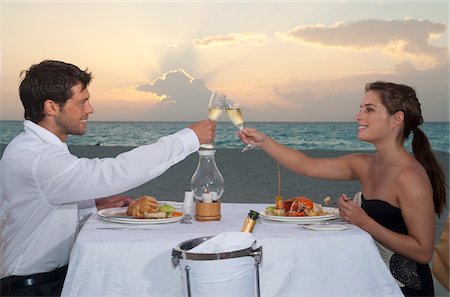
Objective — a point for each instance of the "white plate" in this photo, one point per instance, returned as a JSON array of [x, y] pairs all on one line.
[[328, 227], [333, 213], [105, 215]]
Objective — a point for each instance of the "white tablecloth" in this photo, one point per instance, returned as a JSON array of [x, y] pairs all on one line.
[[296, 261]]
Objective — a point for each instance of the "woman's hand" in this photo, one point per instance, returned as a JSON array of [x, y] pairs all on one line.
[[113, 201], [351, 212], [251, 136]]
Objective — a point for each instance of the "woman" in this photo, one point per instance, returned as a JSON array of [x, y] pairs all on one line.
[[400, 192]]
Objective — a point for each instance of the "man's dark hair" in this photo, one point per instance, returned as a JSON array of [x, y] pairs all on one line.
[[49, 80]]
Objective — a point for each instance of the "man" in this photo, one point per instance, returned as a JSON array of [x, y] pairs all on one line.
[[45, 190]]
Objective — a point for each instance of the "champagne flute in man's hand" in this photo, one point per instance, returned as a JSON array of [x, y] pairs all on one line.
[[215, 108], [237, 118]]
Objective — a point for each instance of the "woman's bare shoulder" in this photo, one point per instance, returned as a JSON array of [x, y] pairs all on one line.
[[412, 171], [360, 157], [414, 181]]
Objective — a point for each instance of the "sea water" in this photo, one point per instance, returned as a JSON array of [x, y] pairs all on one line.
[[333, 136]]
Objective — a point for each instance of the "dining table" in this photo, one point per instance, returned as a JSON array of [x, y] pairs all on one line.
[[121, 258]]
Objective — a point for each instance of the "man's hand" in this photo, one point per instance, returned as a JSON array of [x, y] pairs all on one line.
[[113, 201], [205, 131]]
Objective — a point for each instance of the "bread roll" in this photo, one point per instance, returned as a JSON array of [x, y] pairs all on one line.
[[144, 207]]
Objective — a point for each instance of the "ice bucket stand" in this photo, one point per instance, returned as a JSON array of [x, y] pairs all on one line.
[[181, 251]]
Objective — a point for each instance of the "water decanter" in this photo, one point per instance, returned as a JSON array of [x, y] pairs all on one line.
[[207, 186]]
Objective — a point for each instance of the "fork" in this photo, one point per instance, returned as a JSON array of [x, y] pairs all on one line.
[[125, 228], [186, 220]]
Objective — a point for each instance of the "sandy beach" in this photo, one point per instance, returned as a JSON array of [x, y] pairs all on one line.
[[250, 177]]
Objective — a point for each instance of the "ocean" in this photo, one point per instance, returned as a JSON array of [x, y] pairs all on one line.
[[334, 136]]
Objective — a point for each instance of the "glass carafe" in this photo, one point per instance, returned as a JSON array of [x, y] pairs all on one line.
[[207, 182]]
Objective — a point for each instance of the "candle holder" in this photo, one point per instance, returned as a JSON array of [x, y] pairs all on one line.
[[207, 187], [205, 212]]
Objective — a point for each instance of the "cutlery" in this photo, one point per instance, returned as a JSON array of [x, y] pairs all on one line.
[[328, 203], [125, 228], [335, 223], [186, 220], [328, 223]]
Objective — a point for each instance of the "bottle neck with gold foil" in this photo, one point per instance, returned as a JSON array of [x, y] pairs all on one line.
[[250, 221]]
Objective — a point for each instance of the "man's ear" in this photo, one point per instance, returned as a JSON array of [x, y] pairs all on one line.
[[398, 118], [51, 107]]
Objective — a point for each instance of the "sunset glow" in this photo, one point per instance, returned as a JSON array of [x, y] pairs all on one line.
[[290, 61]]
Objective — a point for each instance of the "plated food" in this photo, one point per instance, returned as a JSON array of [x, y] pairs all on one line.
[[300, 206], [144, 210], [148, 207], [299, 210]]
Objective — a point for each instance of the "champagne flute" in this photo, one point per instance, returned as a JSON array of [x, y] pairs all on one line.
[[215, 108], [234, 112]]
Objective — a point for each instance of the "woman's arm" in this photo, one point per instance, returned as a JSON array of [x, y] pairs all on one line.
[[343, 168]]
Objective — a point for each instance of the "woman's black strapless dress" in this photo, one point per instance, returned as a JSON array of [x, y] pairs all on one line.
[[415, 277]]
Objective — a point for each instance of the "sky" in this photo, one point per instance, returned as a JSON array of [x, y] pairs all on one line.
[[281, 60]]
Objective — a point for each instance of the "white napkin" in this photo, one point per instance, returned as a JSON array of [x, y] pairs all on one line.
[[225, 242]]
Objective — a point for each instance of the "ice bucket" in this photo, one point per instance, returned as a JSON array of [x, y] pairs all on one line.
[[230, 274]]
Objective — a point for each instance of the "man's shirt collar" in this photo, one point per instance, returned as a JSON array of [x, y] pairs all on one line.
[[43, 133]]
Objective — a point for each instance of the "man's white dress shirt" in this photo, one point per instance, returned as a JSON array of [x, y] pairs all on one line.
[[43, 188]]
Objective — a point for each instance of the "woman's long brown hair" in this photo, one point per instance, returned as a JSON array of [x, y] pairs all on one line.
[[403, 98]]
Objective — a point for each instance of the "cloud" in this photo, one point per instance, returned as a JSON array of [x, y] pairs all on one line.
[[398, 39], [182, 97], [255, 39], [339, 99]]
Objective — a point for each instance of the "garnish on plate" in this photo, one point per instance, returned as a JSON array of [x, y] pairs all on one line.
[[279, 206]]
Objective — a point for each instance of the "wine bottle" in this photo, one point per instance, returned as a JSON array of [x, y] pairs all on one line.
[[250, 221]]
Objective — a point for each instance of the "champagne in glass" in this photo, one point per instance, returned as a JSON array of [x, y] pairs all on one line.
[[215, 108], [235, 115], [234, 112], [214, 113]]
